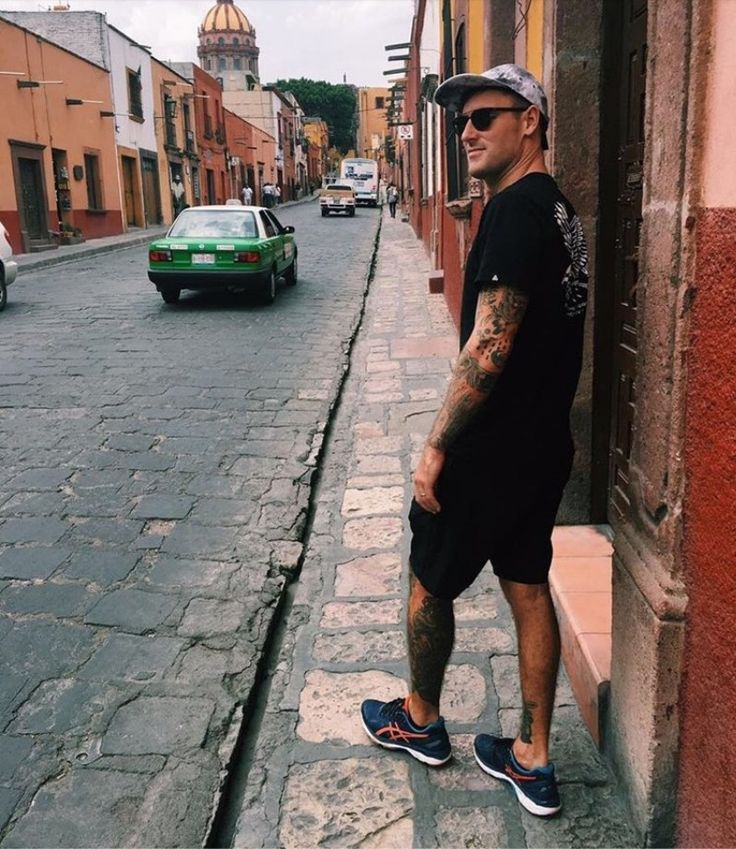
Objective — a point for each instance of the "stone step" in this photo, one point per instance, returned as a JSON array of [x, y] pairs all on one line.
[[580, 581]]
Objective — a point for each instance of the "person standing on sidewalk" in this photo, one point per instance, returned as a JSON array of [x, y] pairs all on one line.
[[490, 479], [392, 196]]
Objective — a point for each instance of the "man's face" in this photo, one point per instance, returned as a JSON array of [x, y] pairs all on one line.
[[490, 152]]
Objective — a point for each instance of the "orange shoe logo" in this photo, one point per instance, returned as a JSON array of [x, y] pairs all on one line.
[[395, 732], [510, 772]]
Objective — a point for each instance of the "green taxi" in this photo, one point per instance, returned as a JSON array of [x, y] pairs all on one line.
[[223, 248]]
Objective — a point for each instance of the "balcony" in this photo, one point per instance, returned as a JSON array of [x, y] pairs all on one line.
[[220, 134]]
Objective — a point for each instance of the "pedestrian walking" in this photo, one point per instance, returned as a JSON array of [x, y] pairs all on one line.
[[268, 196], [247, 195], [392, 196], [490, 478]]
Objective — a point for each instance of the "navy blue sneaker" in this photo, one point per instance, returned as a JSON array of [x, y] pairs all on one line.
[[389, 725], [536, 789]]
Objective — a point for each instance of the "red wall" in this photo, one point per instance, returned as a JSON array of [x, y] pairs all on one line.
[[95, 225], [708, 732]]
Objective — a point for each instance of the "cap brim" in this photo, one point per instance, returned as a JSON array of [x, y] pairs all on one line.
[[456, 90]]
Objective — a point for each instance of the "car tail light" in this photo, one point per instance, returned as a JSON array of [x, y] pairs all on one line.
[[159, 256], [247, 256]]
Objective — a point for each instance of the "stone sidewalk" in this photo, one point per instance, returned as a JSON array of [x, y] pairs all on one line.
[[311, 776]]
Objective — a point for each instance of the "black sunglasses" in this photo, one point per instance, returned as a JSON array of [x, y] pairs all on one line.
[[482, 118]]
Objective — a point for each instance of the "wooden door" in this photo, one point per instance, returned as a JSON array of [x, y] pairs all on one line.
[[129, 190], [33, 198], [151, 195], [629, 179]]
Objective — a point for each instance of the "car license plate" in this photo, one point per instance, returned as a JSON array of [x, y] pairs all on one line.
[[203, 259]]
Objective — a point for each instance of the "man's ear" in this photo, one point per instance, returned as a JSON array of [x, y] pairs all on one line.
[[532, 120]]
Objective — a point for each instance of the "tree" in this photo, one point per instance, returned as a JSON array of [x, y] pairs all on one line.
[[336, 104]]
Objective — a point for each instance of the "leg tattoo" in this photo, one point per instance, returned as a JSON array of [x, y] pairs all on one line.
[[527, 720], [431, 635]]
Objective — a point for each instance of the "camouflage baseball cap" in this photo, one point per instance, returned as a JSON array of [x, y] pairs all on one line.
[[456, 90]]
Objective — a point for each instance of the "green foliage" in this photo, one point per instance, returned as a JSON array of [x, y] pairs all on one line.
[[336, 104]]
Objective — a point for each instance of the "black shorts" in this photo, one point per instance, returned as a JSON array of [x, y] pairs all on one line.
[[505, 516]]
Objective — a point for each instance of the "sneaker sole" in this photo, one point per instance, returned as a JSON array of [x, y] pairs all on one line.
[[524, 801], [420, 756]]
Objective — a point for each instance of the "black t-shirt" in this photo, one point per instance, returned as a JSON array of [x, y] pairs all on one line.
[[530, 238]]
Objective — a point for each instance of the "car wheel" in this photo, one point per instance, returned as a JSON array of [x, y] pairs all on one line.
[[170, 296], [324, 213], [291, 274], [352, 213], [268, 293], [3, 294]]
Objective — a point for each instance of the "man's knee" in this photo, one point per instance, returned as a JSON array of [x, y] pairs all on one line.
[[525, 595]]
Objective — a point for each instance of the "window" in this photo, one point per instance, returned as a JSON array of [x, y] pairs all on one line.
[[135, 100], [267, 225], [235, 41], [221, 41], [94, 186], [379, 102], [221, 63], [237, 63]]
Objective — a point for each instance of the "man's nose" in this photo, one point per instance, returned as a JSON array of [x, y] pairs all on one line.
[[468, 132]]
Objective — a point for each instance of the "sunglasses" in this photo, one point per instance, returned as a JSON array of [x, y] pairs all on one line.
[[482, 119]]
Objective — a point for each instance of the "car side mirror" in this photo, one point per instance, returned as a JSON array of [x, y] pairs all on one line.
[[288, 229]]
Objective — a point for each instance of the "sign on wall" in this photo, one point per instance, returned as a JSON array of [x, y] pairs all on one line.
[[406, 132]]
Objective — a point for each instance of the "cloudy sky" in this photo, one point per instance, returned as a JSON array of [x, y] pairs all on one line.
[[319, 39]]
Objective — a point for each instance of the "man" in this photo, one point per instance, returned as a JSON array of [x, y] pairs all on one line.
[[267, 193], [392, 196], [490, 479], [178, 194], [247, 195]]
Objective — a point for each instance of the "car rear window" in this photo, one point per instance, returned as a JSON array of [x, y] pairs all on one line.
[[341, 188], [204, 223]]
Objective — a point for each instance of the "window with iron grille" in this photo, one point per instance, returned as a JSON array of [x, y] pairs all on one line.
[[135, 89], [169, 116], [94, 184]]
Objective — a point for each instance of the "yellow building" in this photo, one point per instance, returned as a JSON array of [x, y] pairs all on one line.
[[372, 122]]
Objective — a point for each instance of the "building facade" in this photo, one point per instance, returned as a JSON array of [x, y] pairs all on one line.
[[58, 174], [211, 182], [373, 123], [637, 141], [175, 139]]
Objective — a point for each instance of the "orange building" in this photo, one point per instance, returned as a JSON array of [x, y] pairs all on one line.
[[175, 139], [251, 155], [210, 178], [373, 123], [60, 171]]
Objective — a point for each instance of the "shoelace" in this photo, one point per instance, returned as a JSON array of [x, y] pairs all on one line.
[[393, 709]]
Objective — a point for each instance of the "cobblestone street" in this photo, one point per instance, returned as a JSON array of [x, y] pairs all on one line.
[[154, 490]]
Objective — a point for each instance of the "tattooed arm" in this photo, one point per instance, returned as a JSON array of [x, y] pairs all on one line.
[[498, 317]]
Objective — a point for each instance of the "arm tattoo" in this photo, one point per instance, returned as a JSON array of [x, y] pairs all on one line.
[[497, 319]]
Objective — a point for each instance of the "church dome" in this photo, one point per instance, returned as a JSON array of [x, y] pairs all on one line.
[[225, 17]]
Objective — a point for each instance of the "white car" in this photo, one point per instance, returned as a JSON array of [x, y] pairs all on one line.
[[8, 266]]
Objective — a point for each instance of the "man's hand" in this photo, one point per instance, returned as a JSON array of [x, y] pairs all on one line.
[[426, 476]]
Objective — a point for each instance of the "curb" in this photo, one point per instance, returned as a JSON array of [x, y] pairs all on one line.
[[150, 235]]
